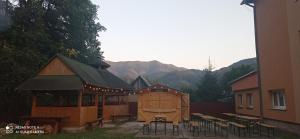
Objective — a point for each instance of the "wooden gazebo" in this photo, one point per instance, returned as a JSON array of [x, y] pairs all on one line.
[[75, 93], [162, 100]]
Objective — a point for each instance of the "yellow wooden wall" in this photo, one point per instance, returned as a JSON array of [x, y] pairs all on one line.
[[56, 67], [109, 110], [185, 106], [78, 115], [159, 103], [72, 112]]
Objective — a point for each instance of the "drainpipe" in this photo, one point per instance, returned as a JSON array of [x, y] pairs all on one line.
[[258, 63], [257, 57]]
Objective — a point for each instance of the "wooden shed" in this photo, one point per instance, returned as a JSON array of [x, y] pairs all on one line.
[[75, 93], [162, 100]]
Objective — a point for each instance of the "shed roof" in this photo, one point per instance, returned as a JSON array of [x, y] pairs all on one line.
[[160, 86]]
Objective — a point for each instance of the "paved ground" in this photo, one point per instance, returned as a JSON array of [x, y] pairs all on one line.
[[136, 127]]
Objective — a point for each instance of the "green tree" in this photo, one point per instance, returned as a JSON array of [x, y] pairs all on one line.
[[56, 26], [231, 75], [208, 88], [38, 30]]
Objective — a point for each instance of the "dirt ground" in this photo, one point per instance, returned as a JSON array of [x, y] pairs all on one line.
[[124, 127]]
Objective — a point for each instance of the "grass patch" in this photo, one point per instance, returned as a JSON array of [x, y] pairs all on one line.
[[97, 133]]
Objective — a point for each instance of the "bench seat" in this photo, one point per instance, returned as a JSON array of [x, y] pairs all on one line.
[[266, 125], [237, 125]]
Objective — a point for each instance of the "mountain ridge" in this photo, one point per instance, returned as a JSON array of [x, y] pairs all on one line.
[[171, 75]]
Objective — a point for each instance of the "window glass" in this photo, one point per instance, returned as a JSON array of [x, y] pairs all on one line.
[[275, 98], [111, 100], [281, 99], [57, 99], [115, 100], [278, 99], [250, 100], [240, 97], [88, 100], [123, 99]]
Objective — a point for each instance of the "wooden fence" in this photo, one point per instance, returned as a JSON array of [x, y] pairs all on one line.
[[212, 108]]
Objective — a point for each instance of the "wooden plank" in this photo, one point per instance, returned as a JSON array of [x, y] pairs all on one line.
[[56, 67], [156, 103], [237, 125], [185, 106]]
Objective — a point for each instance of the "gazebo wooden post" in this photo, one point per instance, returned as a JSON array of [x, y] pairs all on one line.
[[33, 102], [103, 104], [79, 98], [96, 100]]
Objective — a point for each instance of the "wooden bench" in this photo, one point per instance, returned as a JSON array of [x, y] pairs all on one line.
[[121, 116], [221, 120], [99, 122], [185, 122], [146, 125], [221, 127], [268, 127], [239, 127], [176, 126], [194, 125]]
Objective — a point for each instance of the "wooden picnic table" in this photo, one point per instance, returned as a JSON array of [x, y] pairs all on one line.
[[221, 120], [208, 117], [160, 119], [248, 117], [230, 114], [209, 122], [197, 114]]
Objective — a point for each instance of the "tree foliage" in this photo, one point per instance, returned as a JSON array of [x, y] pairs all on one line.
[[211, 88], [41, 28], [208, 88], [231, 75]]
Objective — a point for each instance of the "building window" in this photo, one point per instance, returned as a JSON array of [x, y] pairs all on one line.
[[278, 99], [88, 100], [123, 99], [250, 100], [111, 100], [115, 100], [57, 99], [240, 100]]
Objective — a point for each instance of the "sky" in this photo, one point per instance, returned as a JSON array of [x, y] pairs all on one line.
[[184, 33]]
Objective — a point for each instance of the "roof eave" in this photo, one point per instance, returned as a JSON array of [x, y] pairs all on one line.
[[248, 3], [242, 77]]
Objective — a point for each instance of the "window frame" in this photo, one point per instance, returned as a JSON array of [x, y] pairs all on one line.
[[88, 99], [120, 100], [240, 100], [56, 99], [276, 93], [251, 100]]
